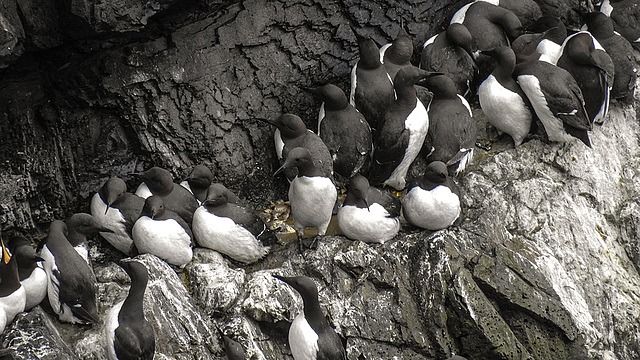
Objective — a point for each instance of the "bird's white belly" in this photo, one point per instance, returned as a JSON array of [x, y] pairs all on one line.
[[302, 339], [515, 119], [110, 325], [224, 235], [165, 239], [369, 225], [431, 210], [312, 200], [35, 287]]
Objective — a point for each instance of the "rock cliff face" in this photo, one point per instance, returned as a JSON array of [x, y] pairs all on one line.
[[545, 264]]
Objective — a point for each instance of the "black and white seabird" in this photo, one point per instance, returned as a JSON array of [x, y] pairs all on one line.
[[344, 131], [452, 52], [369, 214], [502, 100], [310, 336], [176, 198], [312, 195], [371, 87], [452, 129], [198, 182], [79, 226], [117, 210], [163, 233], [128, 334], [620, 51], [72, 287], [592, 68], [404, 127], [556, 99], [434, 202], [12, 294], [228, 228], [32, 276], [294, 133], [625, 15], [397, 54]]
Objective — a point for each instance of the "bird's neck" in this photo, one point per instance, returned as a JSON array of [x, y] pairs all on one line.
[[407, 95], [313, 314], [133, 303]]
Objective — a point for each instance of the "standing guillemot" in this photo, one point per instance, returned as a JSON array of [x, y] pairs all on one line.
[[128, 334], [401, 135], [344, 131], [310, 336], [311, 194]]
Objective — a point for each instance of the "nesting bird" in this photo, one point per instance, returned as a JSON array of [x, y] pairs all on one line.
[[592, 68], [72, 286], [620, 51], [556, 99], [369, 214], [292, 133], [434, 203], [452, 129], [32, 276], [371, 87], [79, 226], [344, 131], [502, 100], [397, 54], [452, 52], [12, 294], [310, 336], [176, 198], [128, 334], [117, 210], [312, 195], [402, 133], [625, 14], [228, 228], [163, 233]]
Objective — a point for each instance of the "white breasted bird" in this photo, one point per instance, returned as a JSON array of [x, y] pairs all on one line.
[[228, 228], [432, 204], [117, 210], [128, 334], [369, 214], [72, 286], [310, 336], [163, 233], [312, 195]]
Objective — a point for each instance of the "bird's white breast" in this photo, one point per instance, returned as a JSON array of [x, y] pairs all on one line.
[[224, 235], [165, 239], [312, 200], [302, 339], [433, 210], [369, 225], [35, 287], [514, 118], [143, 191], [110, 325], [418, 125], [114, 221]]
